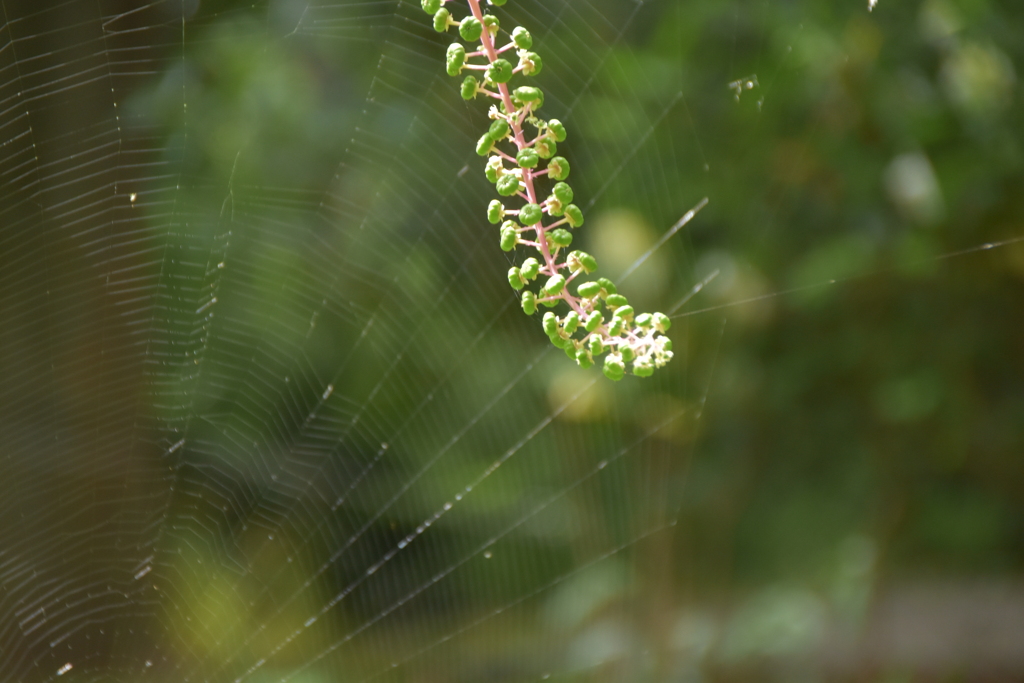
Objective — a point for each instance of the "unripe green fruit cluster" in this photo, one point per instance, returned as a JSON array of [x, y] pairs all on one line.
[[600, 321]]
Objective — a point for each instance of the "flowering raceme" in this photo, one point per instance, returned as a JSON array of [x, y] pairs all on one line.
[[600, 321]]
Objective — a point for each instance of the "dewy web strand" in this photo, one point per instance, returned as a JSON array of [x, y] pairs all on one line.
[[586, 332]]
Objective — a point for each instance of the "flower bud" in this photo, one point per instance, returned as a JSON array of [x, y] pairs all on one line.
[[545, 148], [529, 303], [430, 6], [470, 29], [495, 211], [557, 129], [562, 238], [441, 18], [531, 63], [530, 214], [508, 185], [456, 57], [558, 168], [562, 192], [530, 268], [574, 215], [515, 278], [468, 88], [554, 285], [521, 37], [528, 158], [499, 71], [589, 289]]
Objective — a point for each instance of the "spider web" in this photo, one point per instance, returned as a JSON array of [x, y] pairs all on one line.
[[270, 411]]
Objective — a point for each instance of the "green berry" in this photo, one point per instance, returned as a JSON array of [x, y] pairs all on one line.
[[643, 320], [499, 71], [557, 129], [470, 29], [550, 324], [594, 321], [588, 290], [497, 3], [529, 94], [561, 237], [627, 353], [554, 285], [509, 236], [456, 57], [614, 369], [624, 312], [430, 6], [584, 261], [529, 302], [607, 285], [499, 129], [642, 368], [531, 63], [583, 359], [572, 321], [528, 158], [661, 322], [596, 346], [468, 88], [616, 300], [558, 342], [508, 185], [492, 23], [558, 168], [441, 18], [574, 215], [484, 144], [515, 278], [530, 268], [562, 192], [615, 326], [495, 211], [530, 214], [494, 169], [522, 38], [570, 349], [545, 148]]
